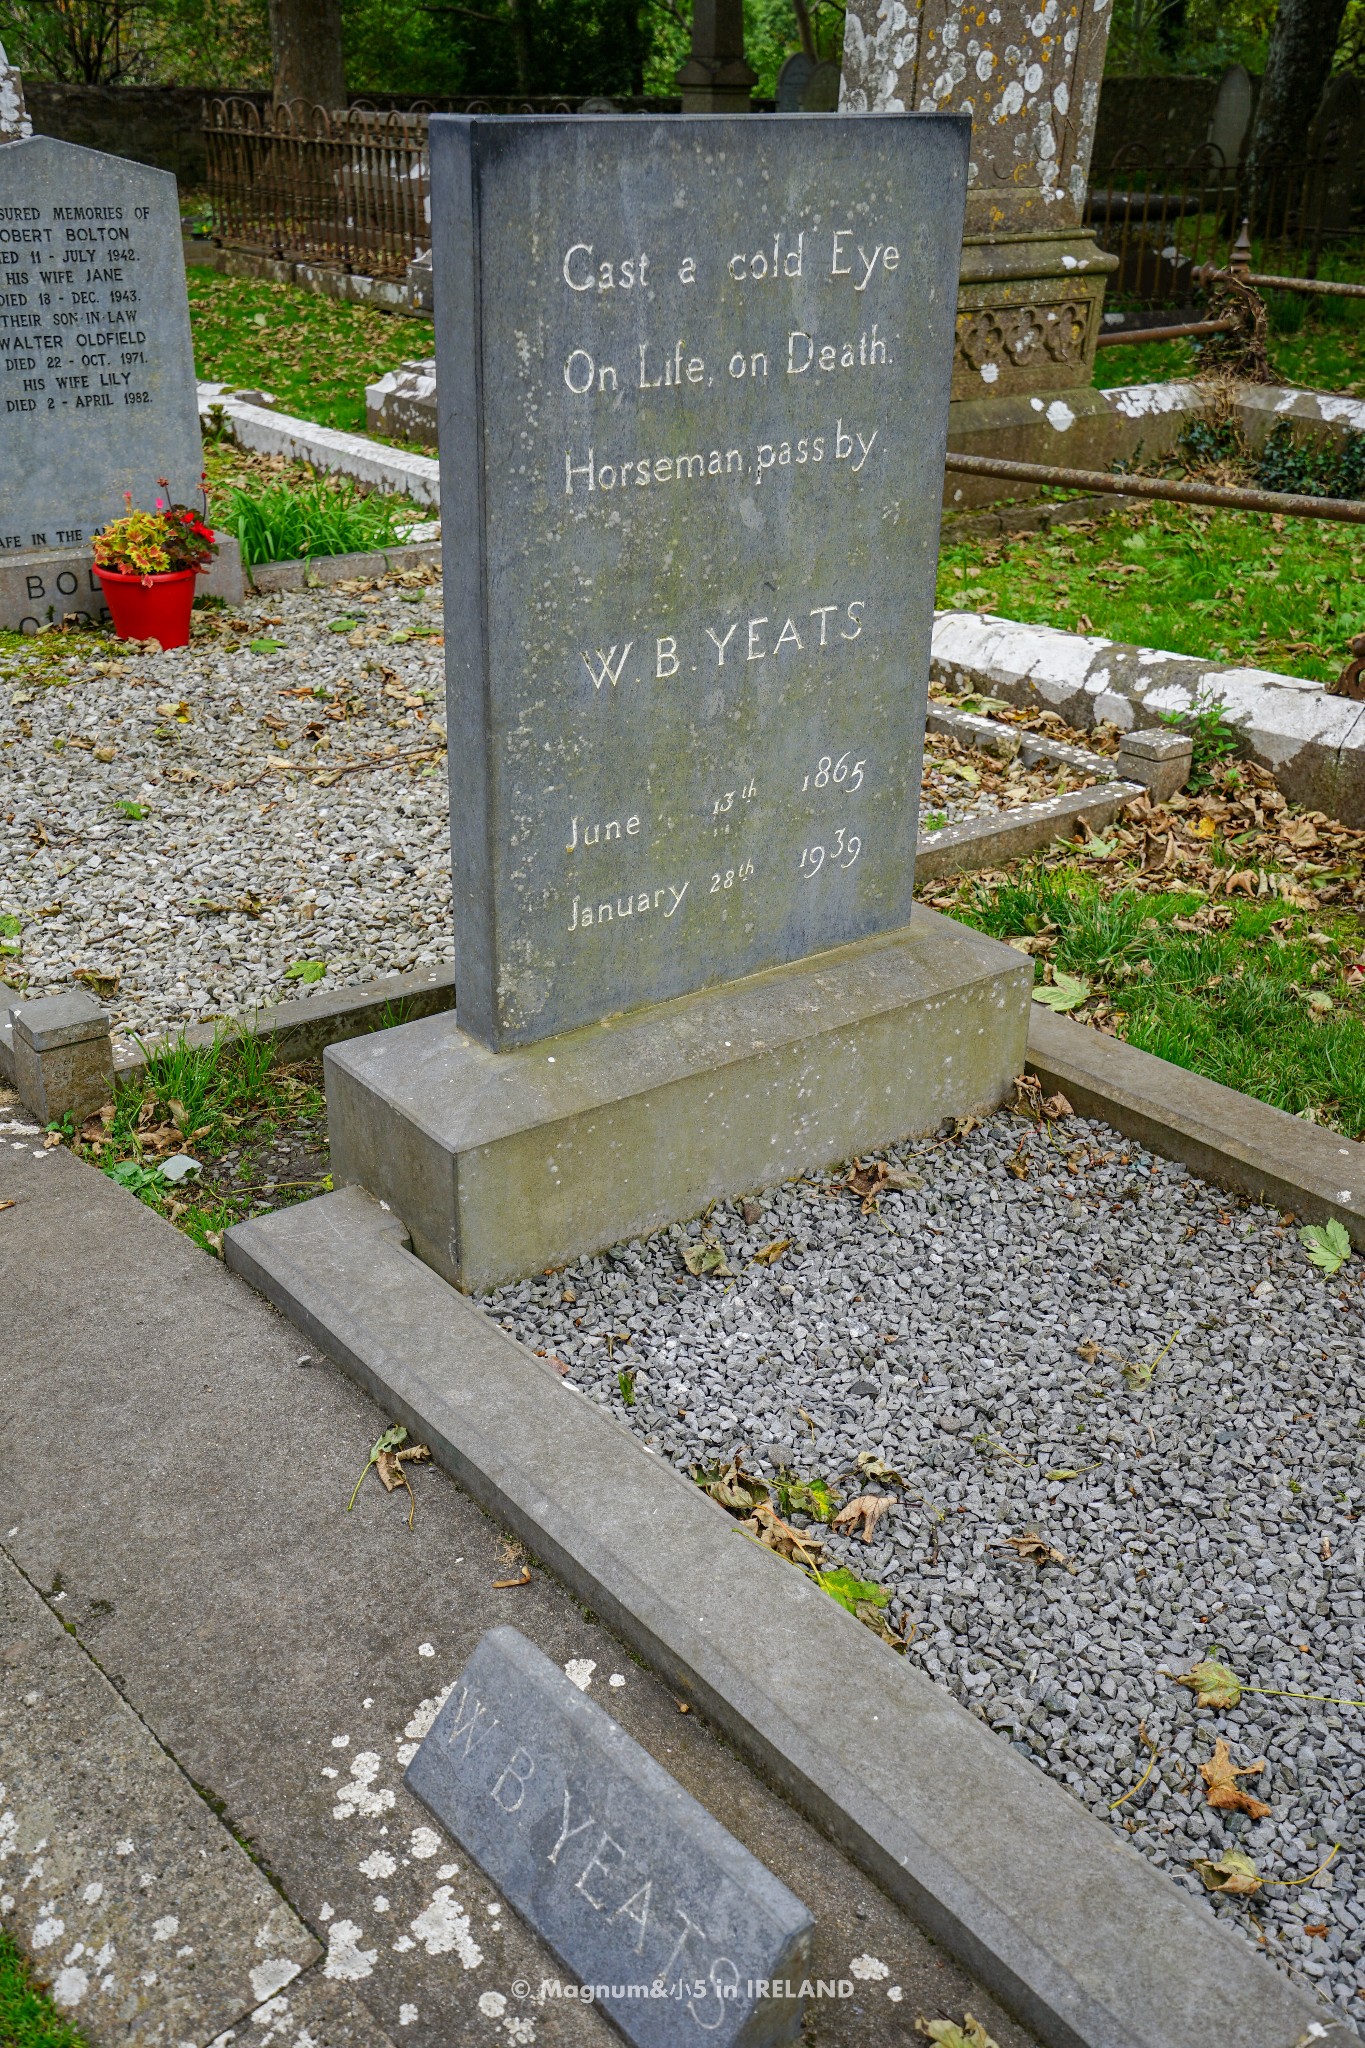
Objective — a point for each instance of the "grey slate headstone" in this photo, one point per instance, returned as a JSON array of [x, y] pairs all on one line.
[[791, 81], [97, 391], [1231, 114], [692, 463], [626, 1878]]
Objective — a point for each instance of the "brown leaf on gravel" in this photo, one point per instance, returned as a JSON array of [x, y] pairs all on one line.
[[868, 1509], [948, 2034], [768, 1254], [769, 1529], [731, 1487], [1088, 1349], [1033, 1550], [869, 1179], [1220, 1775]]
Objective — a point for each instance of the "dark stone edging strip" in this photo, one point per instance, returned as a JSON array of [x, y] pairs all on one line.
[[1087, 1942]]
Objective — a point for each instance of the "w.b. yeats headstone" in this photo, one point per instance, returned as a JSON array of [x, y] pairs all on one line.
[[684, 1937], [693, 388], [97, 388]]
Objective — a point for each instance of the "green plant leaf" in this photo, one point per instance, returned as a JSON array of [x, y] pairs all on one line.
[[1213, 1684], [811, 1497], [706, 1257], [1327, 1245], [850, 1591], [305, 970], [343, 625], [388, 1440], [265, 646], [1067, 991]]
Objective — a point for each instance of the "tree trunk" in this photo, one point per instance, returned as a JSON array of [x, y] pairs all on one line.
[[1298, 64], [306, 52]]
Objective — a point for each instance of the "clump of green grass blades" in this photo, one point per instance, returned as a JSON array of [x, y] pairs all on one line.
[[28, 2019], [1230, 1003], [282, 522]]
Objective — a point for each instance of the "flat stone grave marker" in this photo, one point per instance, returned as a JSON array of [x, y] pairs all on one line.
[[693, 389], [97, 386], [685, 1937]]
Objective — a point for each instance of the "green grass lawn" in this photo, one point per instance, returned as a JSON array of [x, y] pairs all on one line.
[[315, 354], [28, 2018], [1222, 584], [1255, 995]]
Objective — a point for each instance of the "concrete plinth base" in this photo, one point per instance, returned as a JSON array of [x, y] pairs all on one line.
[[501, 1164]]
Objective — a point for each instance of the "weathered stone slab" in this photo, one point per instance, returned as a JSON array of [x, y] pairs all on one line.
[[97, 393], [43, 588], [692, 447], [501, 1164], [685, 1936], [402, 403], [148, 1922]]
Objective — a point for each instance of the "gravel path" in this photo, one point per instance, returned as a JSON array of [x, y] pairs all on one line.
[[260, 846], [953, 1333]]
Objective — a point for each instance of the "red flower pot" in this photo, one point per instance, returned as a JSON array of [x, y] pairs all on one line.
[[150, 607]]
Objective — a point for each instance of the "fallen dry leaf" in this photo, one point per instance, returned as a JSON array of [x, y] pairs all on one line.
[[1233, 1873], [1220, 1775], [870, 1179], [769, 1529], [707, 1256], [1213, 1684], [948, 2034], [6, 1204], [390, 1471], [1316, 1927], [1033, 1550], [868, 1509], [506, 1585], [873, 1467], [1088, 1349], [768, 1254], [731, 1487]]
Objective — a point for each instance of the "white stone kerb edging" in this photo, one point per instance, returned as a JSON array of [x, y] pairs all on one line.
[[266, 432], [1313, 743]]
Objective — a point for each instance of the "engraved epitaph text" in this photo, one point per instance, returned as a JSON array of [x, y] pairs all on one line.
[[694, 382], [97, 392]]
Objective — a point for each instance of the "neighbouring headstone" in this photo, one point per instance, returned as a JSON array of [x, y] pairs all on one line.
[[15, 125], [791, 81], [97, 390], [820, 94], [1231, 115], [1336, 146], [694, 399], [401, 404], [683, 1935]]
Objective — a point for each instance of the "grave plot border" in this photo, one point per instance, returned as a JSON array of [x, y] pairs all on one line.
[[1087, 1942]]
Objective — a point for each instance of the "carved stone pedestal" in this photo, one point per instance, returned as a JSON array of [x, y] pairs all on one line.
[[1031, 293]]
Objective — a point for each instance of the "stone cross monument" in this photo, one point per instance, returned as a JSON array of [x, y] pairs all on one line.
[[1032, 284], [15, 125]]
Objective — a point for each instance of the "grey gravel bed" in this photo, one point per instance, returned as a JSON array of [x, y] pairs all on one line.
[[1216, 1506], [246, 862]]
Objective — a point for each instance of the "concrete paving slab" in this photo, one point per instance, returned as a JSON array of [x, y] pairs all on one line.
[[1085, 1940], [152, 1925], [183, 1484]]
